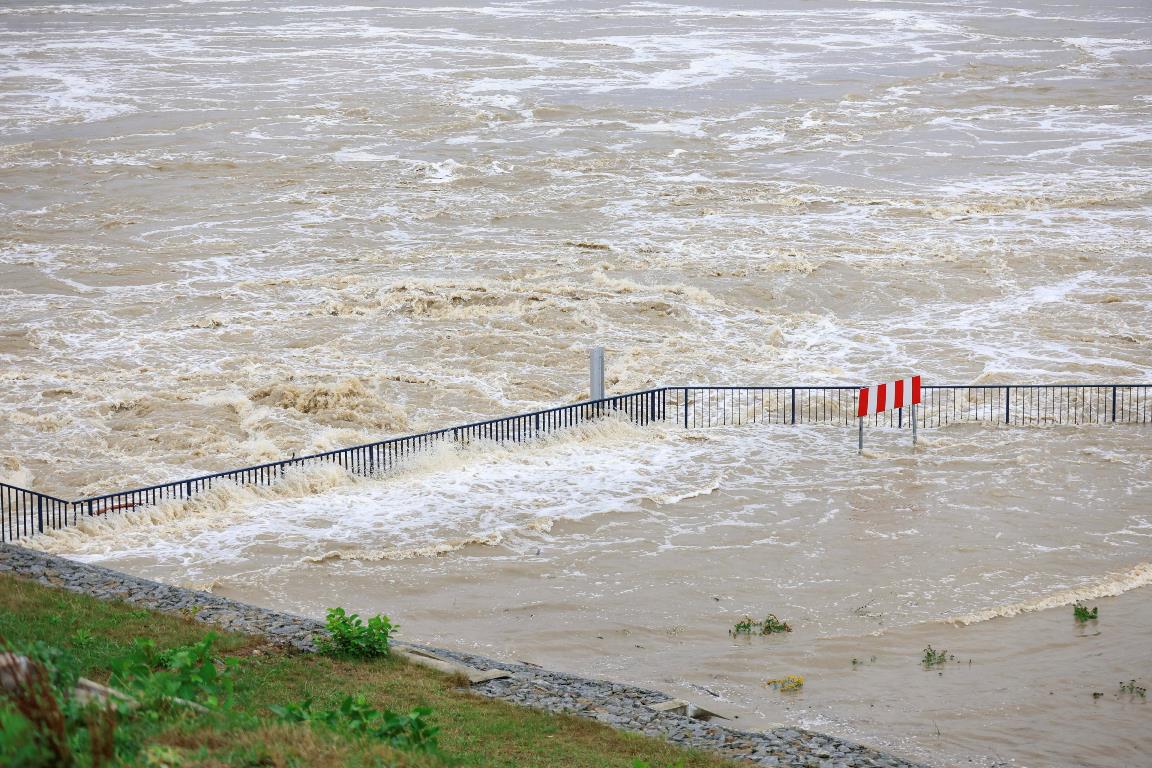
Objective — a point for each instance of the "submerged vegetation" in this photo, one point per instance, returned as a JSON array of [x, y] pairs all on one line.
[[1082, 613], [769, 625], [1131, 689], [786, 684], [935, 658]]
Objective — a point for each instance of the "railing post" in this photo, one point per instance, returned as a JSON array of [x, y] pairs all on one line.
[[1007, 403], [793, 405], [40, 513], [1113, 403], [685, 408]]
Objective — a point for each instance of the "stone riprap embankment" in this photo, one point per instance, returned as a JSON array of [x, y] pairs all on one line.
[[621, 706]]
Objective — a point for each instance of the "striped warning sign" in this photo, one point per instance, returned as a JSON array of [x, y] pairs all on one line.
[[893, 394]]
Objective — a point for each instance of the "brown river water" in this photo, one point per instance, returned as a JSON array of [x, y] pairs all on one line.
[[233, 231]]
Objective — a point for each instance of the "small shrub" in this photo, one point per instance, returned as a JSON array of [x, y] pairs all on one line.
[[1083, 614], [770, 625], [350, 637], [355, 716], [935, 658]]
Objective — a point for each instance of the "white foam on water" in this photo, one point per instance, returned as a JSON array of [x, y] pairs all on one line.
[[1139, 575], [435, 502]]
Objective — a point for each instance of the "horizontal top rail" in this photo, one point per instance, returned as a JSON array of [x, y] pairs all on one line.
[[17, 489], [857, 387]]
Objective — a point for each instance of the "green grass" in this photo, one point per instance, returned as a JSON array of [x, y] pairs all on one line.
[[473, 731]]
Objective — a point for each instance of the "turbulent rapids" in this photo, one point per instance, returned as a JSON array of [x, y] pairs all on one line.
[[238, 231]]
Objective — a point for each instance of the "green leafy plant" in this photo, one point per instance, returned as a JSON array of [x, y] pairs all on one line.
[[350, 637], [355, 716], [82, 638], [770, 625], [1082, 613], [189, 673], [935, 658]]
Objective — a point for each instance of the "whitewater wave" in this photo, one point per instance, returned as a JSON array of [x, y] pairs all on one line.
[[673, 498], [230, 504], [217, 508], [1111, 586], [541, 524], [438, 549]]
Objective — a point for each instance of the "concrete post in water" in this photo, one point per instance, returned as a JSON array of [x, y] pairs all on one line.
[[861, 435], [596, 372]]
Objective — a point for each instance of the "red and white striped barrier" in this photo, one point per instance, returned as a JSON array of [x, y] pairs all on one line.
[[885, 397]]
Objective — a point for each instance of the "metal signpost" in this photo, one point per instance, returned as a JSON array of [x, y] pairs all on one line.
[[596, 373]]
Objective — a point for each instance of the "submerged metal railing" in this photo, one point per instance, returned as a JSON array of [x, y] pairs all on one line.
[[24, 512]]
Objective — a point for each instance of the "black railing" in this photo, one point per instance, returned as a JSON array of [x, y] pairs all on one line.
[[1015, 404], [24, 512]]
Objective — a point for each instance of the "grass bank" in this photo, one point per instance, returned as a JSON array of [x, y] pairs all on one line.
[[96, 636]]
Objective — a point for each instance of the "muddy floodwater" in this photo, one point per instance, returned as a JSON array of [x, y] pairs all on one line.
[[234, 231]]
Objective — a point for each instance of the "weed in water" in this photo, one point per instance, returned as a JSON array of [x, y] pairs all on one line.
[[934, 658], [787, 683], [770, 625], [1133, 690], [1082, 613], [349, 637]]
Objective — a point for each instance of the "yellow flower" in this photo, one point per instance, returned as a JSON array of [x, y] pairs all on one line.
[[787, 683]]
